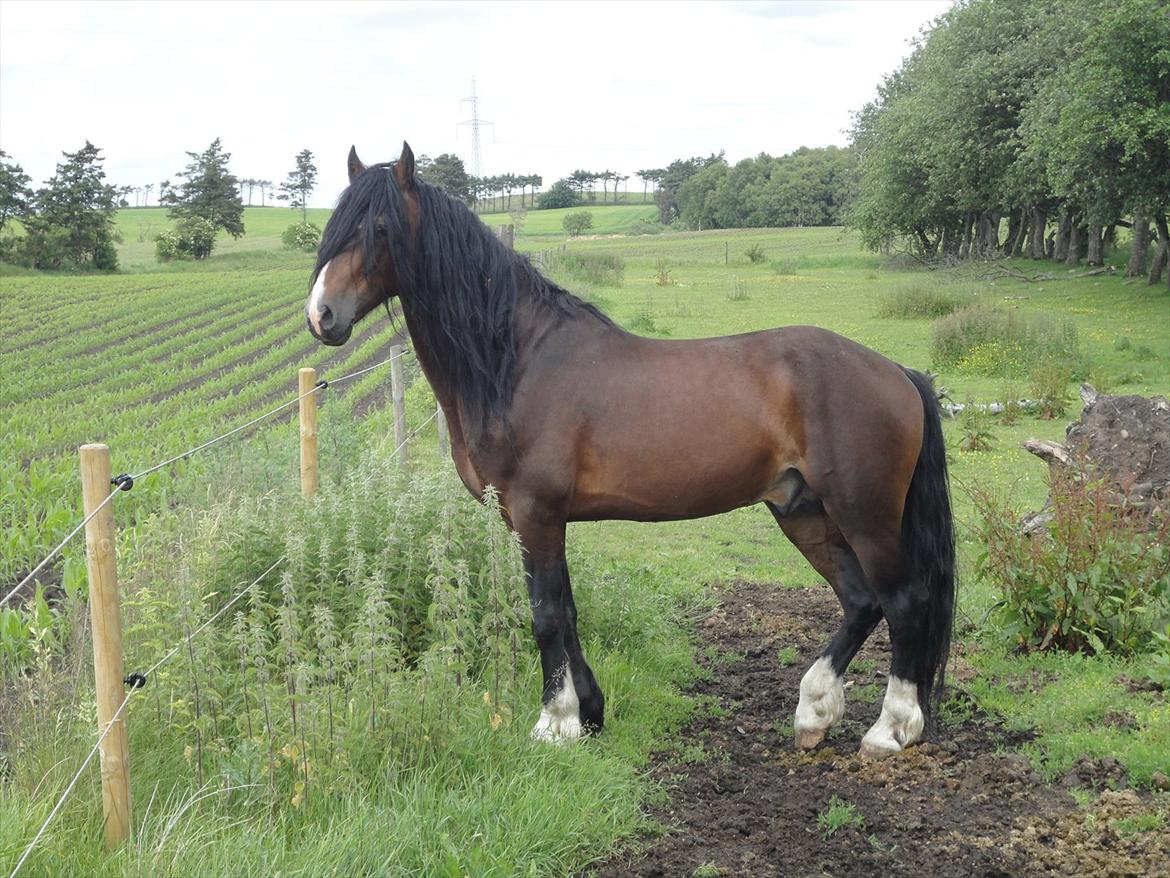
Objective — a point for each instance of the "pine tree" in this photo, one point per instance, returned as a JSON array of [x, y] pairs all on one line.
[[14, 191], [209, 191], [74, 220], [300, 183]]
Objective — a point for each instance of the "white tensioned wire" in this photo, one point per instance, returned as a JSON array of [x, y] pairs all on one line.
[[121, 707], [320, 385], [59, 547], [146, 472], [411, 434]]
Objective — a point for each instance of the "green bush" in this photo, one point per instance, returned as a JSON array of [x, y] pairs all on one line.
[[755, 254], [576, 222], [193, 237], [301, 236], [599, 269], [979, 338], [910, 299], [1096, 578], [560, 194]]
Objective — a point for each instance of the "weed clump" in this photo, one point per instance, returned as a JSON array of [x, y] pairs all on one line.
[[908, 300], [598, 269], [982, 339], [1095, 578]]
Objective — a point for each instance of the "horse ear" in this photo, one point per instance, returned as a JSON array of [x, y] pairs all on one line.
[[355, 164], [404, 167]]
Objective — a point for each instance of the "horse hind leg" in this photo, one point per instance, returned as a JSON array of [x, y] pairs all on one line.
[[822, 689], [905, 605]]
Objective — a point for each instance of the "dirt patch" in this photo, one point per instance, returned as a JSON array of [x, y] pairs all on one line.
[[744, 802]]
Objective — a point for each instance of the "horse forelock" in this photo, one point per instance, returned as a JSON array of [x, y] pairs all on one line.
[[460, 286]]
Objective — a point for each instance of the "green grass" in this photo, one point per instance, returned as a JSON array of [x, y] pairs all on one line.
[[838, 815], [139, 225], [429, 817], [543, 227], [1078, 706]]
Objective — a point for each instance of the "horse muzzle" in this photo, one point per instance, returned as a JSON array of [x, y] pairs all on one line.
[[327, 329]]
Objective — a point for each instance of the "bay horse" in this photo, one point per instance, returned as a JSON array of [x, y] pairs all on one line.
[[572, 418]]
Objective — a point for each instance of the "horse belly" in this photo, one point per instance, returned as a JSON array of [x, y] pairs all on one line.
[[698, 473]]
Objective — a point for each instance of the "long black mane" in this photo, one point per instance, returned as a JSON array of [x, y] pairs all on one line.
[[460, 285]]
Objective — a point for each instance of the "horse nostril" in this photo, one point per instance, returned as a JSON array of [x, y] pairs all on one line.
[[325, 318]]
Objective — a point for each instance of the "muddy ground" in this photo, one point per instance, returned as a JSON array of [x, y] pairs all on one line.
[[743, 802]]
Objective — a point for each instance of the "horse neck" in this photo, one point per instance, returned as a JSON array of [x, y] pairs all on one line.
[[533, 325]]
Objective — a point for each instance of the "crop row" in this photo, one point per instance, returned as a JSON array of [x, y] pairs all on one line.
[[182, 346], [160, 400], [67, 325]]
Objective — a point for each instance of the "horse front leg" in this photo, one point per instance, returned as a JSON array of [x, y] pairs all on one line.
[[571, 701]]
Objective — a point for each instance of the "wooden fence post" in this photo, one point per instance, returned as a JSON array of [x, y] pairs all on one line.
[[306, 381], [444, 441], [106, 624], [398, 397]]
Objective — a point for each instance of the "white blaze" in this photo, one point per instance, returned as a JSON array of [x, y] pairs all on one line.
[[560, 719], [314, 306], [900, 723], [822, 698]]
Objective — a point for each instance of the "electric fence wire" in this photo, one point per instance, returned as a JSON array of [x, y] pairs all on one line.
[[319, 386], [139, 681]]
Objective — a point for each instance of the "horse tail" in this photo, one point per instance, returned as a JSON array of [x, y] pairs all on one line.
[[928, 546]]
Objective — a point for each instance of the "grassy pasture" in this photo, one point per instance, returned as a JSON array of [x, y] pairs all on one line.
[[159, 358]]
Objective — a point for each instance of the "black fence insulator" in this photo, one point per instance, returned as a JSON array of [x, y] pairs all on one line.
[[135, 680], [123, 482], [322, 384]]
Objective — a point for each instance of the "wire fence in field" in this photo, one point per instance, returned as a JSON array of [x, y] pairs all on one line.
[[125, 482]]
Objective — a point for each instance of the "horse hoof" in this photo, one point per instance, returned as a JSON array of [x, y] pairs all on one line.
[[809, 738], [557, 732]]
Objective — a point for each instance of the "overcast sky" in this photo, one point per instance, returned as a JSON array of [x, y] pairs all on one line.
[[594, 85]]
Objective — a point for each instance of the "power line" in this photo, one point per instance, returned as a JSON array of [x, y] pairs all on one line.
[[475, 123]]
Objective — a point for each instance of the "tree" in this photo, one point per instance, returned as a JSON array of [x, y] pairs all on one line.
[[673, 176], [300, 183], [809, 187], [559, 194], [14, 191], [448, 173], [576, 222], [581, 181], [208, 190], [1044, 115], [73, 223], [649, 176]]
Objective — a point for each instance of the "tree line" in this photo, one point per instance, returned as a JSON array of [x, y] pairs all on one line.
[[809, 187], [1024, 129], [68, 223]]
